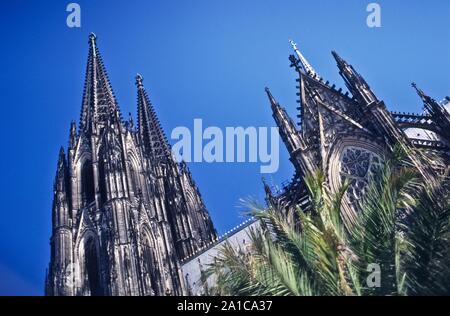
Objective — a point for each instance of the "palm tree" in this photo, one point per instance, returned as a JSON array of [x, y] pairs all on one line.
[[399, 245]]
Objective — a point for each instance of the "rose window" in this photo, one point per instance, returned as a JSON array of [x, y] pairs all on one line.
[[358, 165]]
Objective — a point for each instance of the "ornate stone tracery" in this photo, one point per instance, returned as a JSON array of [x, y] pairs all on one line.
[[357, 165]]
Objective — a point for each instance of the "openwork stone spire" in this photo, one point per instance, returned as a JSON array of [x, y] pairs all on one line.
[[99, 103], [149, 127]]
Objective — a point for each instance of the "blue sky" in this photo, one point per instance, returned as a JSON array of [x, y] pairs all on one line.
[[206, 59]]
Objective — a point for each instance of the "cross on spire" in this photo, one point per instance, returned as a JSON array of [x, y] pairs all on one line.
[[306, 66]]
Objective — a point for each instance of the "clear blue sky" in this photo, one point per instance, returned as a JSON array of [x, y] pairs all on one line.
[[206, 59]]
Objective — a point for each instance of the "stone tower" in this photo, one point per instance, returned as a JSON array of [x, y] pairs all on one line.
[[124, 212]]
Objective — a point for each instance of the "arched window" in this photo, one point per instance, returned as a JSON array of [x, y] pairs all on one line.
[[102, 180], [134, 179], [149, 263], [87, 183], [358, 164], [92, 268]]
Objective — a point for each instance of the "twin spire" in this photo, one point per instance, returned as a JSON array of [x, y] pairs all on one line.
[[99, 105], [100, 108], [149, 127]]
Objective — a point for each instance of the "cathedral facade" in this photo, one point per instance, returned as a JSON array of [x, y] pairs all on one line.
[[124, 211]]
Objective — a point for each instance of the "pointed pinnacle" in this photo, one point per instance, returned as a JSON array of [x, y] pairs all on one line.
[[339, 60], [270, 96], [93, 43], [420, 92], [73, 126], [336, 55], [61, 157], [139, 80], [341, 63], [92, 38]]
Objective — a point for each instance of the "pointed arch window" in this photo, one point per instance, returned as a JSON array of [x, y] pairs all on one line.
[[102, 180], [87, 183], [134, 180], [149, 264], [92, 272]]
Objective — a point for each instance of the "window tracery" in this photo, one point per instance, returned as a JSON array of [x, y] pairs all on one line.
[[358, 165]]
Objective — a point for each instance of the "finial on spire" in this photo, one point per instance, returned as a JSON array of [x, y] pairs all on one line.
[[435, 109], [341, 63], [427, 101], [139, 80], [305, 64], [270, 96], [92, 38], [337, 57], [421, 94], [418, 90], [92, 42], [354, 81]]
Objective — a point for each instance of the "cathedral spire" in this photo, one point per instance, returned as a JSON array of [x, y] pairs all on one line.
[[430, 105], [354, 81], [288, 132], [291, 137], [305, 65], [440, 115], [99, 103], [149, 127]]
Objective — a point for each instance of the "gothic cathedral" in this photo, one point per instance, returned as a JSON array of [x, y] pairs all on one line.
[[346, 135], [124, 212]]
